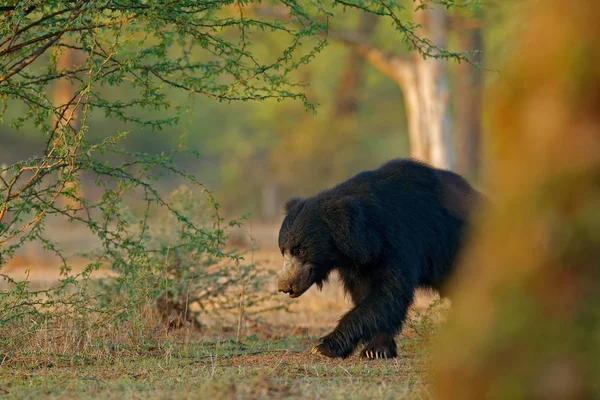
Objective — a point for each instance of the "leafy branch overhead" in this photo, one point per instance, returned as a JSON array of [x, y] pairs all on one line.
[[203, 47]]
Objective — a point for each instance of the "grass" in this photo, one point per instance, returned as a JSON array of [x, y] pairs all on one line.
[[272, 360], [221, 369]]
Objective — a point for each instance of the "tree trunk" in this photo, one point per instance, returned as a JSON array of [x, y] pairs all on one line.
[[433, 92], [348, 88], [469, 97], [270, 205]]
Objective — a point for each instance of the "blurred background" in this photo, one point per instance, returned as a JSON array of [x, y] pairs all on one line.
[[255, 155]]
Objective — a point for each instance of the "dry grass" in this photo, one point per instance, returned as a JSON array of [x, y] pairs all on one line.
[[144, 359], [271, 363], [215, 369]]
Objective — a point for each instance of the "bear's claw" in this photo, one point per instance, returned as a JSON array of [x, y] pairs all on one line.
[[380, 347], [329, 348], [325, 350], [376, 354]]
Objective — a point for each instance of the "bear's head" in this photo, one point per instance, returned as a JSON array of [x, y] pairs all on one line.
[[307, 247], [317, 235]]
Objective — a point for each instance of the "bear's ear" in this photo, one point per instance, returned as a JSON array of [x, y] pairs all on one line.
[[291, 203], [350, 228]]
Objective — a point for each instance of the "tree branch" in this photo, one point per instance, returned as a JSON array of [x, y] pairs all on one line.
[[26, 61], [394, 66]]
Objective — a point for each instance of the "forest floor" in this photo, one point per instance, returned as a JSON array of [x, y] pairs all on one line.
[[271, 360], [255, 369]]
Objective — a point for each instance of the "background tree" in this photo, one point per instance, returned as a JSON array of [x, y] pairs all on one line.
[[422, 76], [468, 90], [525, 321], [424, 83]]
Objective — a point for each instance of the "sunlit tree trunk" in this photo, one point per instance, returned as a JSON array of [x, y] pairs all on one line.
[[433, 92]]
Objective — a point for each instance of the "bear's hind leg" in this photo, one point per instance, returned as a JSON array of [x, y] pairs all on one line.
[[382, 345]]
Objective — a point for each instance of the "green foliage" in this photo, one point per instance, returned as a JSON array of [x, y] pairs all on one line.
[[63, 68], [426, 323]]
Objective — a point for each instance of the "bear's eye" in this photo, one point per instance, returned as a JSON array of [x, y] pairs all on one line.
[[301, 252]]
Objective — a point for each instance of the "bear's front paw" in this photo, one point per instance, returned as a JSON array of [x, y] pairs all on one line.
[[330, 348]]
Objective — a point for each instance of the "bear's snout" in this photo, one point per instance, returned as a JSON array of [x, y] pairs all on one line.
[[284, 286], [296, 276]]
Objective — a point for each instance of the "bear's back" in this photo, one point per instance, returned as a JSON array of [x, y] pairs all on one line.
[[399, 180]]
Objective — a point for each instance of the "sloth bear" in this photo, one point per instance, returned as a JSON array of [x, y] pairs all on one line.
[[387, 232]]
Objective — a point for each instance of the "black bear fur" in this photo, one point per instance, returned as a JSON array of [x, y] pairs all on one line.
[[387, 232]]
